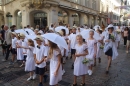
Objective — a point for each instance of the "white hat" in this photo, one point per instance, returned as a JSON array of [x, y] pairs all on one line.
[[74, 27], [60, 32], [109, 26], [14, 33], [39, 38], [22, 35]]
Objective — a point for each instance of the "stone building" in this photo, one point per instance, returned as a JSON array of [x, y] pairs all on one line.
[[45, 12]]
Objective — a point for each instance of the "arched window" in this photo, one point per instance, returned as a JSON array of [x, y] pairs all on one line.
[[94, 4], [87, 3], [76, 1]]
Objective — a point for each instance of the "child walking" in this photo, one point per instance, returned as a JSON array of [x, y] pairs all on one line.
[[13, 47], [19, 49], [40, 53], [99, 45], [92, 50], [30, 63], [24, 44], [80, 69], [55, 64]]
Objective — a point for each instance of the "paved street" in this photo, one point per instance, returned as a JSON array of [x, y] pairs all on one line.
[[119, 73]]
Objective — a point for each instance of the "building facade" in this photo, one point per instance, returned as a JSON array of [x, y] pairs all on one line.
[[45, 12]]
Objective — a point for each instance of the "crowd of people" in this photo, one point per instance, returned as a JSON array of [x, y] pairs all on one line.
[[35, 53]]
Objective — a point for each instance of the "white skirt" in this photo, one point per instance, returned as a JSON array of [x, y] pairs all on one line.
[[79, 67], [20, 54], [55, 79], [30, 64]]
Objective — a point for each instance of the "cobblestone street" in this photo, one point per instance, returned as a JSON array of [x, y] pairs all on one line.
[[12, 75]]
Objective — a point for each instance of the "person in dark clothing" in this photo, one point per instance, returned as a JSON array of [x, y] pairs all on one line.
[[128, 41], [2, 38]]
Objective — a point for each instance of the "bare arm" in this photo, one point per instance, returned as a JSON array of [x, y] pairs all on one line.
[[59, 62]]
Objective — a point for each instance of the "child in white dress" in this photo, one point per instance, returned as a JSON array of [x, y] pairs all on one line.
[[19, 49], [92, 50], [80, 69], [99, 44], [55, 64], [30, 63]]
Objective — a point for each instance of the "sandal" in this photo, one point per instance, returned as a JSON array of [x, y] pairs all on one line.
[[74, 84], [82, 84]]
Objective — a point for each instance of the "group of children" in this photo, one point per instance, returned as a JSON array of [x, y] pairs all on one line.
[[35, 53]]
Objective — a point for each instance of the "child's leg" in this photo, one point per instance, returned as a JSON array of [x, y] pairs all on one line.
[[75, 79], [41, 78], [99, 60], [83, 79], [94, 61], [109, 62]]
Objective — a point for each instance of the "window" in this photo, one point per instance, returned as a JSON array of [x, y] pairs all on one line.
[[76, 1], [1, 2], [87, 3], [7, 1], [94, 4]]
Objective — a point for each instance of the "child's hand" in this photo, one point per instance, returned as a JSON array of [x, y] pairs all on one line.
[[55, 73], [45, 60], [77, 55], [37, 62]]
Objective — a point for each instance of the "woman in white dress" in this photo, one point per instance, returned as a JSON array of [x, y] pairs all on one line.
[[30, 63], [55, 64], [92, 51], [110, 48], [118, 30], [80, 69], [19, 49]]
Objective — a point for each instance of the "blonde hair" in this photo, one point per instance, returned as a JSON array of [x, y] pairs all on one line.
[[31, 42], [52, 47], [80, 36]]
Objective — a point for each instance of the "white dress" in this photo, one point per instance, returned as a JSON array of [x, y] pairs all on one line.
[[91, 50], [53, 66], [30, 63], [99, 51], [79, 67], [19, 50]]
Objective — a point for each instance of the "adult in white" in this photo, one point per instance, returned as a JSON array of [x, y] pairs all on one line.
[[110, 46], [118, 30]]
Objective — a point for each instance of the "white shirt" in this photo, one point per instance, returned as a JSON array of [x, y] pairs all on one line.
[[14, 40], [25, 44], [40, 54], [72, 38]]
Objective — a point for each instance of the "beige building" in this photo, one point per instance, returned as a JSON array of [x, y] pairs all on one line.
[[45, 12]]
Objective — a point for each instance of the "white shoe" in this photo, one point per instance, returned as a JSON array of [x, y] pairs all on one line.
[[34, 76], [30, 78], [63, 72], [90, 73]]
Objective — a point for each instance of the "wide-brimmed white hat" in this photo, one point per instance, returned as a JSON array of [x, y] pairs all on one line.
[[74, 27], [60, 32], [39, 38], [14, 33], [109, 26], [22, 35]]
